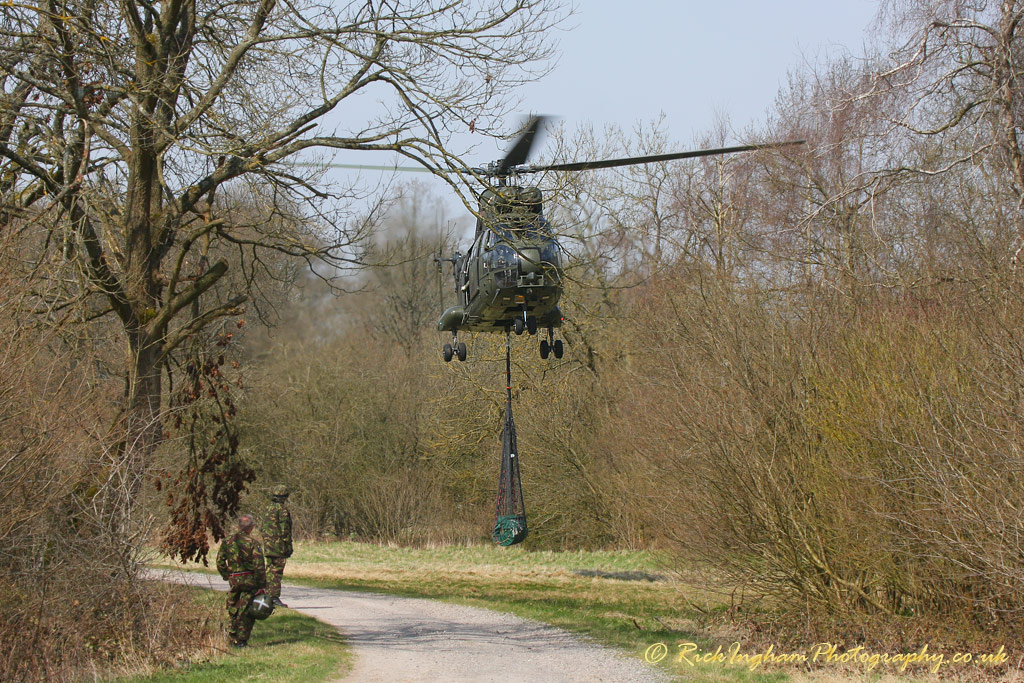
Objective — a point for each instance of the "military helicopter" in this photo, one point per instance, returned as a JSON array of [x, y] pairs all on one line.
[[511, 277]]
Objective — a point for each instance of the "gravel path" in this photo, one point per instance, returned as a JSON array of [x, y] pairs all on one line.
[[411, 639]]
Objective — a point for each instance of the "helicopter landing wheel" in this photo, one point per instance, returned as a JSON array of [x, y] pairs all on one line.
[[531, 325], [447, 352], [518, 325], [545, 349], [558, 349], [460, 350]]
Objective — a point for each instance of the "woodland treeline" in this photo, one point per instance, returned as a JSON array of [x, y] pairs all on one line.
[[802, 369]]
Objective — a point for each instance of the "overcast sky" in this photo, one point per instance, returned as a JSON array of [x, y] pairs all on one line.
[[624, 62], [627, 61]]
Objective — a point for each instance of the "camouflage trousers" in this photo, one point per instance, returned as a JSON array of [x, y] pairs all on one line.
[[275, 570], [239, 621]]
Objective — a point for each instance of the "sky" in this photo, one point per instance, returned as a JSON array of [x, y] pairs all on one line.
[[692, 62], [689, 60]]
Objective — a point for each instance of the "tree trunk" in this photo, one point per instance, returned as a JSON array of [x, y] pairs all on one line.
[[141, 420]]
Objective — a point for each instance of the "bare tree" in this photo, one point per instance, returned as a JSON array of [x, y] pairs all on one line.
[[822, 217], [120, 122], [957, 67], [409, 293]]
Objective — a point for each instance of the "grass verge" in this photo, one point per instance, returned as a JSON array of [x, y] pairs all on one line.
[[286, 647]]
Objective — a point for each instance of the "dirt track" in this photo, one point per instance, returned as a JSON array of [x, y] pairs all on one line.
[[410, 639]]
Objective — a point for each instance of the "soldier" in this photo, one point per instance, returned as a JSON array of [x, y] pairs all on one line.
[[277, 541], [240, 563]]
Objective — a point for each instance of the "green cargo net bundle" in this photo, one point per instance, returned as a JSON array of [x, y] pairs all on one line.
[[510, 518]]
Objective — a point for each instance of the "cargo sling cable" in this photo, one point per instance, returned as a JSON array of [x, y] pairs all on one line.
[[510, 518]]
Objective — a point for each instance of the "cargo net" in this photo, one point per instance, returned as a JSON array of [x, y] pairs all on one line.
[[510, 518]]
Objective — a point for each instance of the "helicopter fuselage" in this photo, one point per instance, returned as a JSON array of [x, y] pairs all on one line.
[[508, 274], [511, 277]]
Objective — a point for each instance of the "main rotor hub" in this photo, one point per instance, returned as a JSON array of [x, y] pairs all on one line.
[[513, 198]]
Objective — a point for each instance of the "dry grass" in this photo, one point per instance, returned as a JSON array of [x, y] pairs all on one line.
[[56, 637]]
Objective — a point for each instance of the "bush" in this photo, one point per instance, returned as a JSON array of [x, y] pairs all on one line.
[[839, 458]]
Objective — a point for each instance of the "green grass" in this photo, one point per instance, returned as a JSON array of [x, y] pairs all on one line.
[[286, 647]]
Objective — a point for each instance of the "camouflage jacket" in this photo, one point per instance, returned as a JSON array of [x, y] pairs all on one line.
[[238, 555], [277, 530]]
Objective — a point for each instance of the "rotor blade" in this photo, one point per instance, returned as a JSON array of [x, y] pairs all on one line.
[[650, 159], [405, 169], [360, 167], [521, 149]]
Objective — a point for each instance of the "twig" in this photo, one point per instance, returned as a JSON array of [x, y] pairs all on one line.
[[667, 627]]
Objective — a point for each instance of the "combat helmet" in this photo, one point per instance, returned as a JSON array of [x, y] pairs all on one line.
[[260, 607], [280, 491]]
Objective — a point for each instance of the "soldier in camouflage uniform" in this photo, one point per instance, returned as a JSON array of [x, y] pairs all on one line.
[[277, 540], [240, 563]]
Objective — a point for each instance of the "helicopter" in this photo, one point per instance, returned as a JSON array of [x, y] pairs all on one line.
[[511, 278]]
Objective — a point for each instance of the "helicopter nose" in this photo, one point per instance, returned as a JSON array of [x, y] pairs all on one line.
[[529, 261]]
